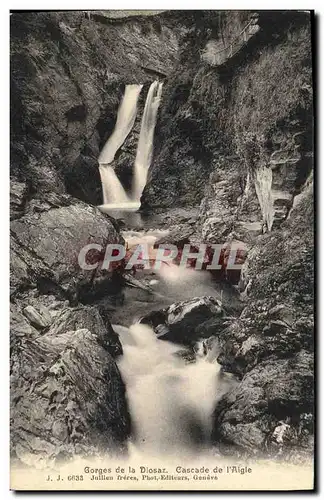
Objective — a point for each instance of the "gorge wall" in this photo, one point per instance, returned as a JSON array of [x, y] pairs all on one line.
[[68, 74], [234, 138], [240, 98]]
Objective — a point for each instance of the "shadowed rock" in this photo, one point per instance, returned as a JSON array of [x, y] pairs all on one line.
[[180, 322], [67, 396], [46, 242]]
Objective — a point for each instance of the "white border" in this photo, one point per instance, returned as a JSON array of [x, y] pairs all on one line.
[[4, 173]]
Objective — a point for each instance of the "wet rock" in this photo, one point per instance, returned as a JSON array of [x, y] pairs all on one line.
[[179, 322], [248, 415], [63, 109], [178, 236], [46, 242], [216, 155], [67, 396]]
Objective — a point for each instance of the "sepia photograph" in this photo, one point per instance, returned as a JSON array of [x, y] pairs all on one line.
[[162, 250]]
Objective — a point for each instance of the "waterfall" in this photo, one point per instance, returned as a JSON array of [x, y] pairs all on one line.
[[113, 191], [171, 401], [124, 123], [145, 143], [263, 182]]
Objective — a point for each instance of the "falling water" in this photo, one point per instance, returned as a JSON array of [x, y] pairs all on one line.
[[124, 124], [113, 191], [171, 401], [145, 143]]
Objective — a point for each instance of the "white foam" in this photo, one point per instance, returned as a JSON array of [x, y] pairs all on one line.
[[166, 395], [127, 206]]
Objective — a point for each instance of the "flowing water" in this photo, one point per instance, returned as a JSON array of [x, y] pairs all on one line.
[[113, 191], [145, 143], [171, 400]]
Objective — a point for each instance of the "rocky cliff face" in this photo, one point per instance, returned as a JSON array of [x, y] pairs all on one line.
[[68, 74], [67, 396], [270, 346], [227, 111], [233, 143], [235, 136]]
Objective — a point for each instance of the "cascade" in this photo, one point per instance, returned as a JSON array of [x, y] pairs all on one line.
[[145, 143], [171, 401], [113, 191]]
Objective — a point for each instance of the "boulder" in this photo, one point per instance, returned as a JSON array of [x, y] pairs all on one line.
[[19, 324], [64, 108], [180, 322], [67, 396], [274, 393], [18, 198], [46, 241]]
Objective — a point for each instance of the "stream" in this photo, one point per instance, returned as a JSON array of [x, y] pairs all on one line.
[[172, 390], [171, 399]]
